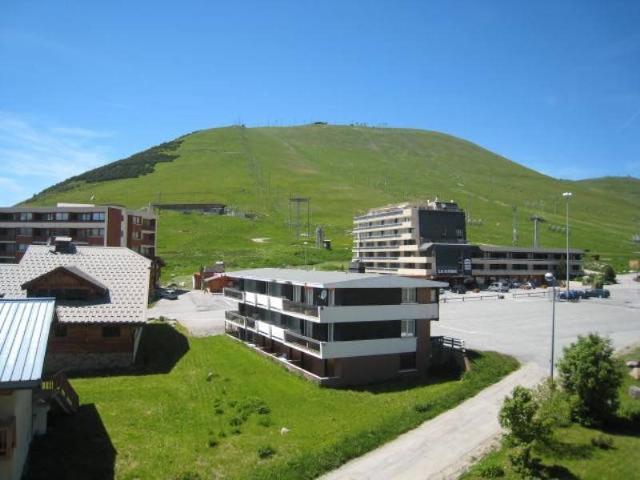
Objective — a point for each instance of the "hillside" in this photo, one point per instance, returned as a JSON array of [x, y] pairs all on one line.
[[344, 170]]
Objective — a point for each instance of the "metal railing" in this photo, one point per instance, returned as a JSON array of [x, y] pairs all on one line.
[[306, 342], [449, 342], [463, 298], [235, 317], [233, 293], [297, 307]]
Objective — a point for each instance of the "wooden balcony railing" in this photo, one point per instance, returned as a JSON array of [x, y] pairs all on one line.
[[60, 387], [297, 307]]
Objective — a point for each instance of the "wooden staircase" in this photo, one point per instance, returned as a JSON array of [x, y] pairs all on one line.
[[58, 389]]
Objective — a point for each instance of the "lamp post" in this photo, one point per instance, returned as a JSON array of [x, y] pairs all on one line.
[[552, 280], [567, 196]]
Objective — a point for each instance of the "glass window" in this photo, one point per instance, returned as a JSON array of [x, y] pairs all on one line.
[[408, 295], [97, 216], [408, 328], [25, 216], [63, 216]]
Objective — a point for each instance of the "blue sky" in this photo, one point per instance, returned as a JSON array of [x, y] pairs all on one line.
[[552, 85]]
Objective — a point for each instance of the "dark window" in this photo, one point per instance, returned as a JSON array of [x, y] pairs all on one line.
[[343, 332], [368, 296], [408, 361], [111, 331], [60, 329]]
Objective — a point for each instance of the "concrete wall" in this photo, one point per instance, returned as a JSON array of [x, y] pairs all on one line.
[[17, 403], [54, 362]]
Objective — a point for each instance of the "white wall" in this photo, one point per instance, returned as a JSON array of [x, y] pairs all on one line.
[[362, 348], [371, 313], [18, 404]]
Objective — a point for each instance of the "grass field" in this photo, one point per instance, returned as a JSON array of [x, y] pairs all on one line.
[[573, 456], [345, 170], [169, 421]]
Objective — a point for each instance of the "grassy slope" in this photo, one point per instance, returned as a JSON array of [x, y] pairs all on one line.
[[160, 424], [346, 170], [577, 458]]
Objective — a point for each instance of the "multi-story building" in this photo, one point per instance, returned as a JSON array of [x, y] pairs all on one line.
[[95, 225], [429, 241], [336, 328]]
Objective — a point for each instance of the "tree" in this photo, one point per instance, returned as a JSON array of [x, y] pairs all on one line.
[[608, 274], [520, 416], [592, 376]]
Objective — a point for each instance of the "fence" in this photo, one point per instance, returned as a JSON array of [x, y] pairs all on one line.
[[467, 298]]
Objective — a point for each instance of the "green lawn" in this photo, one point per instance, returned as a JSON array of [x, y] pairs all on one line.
[[159, 422], [573, 456]]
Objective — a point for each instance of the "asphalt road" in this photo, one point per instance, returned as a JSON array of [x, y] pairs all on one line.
[[522, 326], [201, 313]]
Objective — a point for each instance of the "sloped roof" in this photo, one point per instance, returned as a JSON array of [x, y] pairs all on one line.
[[24, 332], [73, 270], [323, 279], [124, 272]]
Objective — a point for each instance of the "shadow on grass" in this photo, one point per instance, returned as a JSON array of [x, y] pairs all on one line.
[[161, 348], [556, 472], [75, 446], [566, 450]]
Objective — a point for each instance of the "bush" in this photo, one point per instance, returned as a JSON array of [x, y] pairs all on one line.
[[218, 411], [235, 421], [608, 274], [266, 452], [265, 421], [592, 376], [212, 442], [491, 471], [421, 407], [605, 442], [520, 416], [523, 462], [554, 405], [235, 431]]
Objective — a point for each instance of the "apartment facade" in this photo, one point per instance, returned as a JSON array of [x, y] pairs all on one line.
[[85, 224], [429, 241], [335, 328]]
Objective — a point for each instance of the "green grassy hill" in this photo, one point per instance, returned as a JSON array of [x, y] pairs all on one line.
[[344, 170]]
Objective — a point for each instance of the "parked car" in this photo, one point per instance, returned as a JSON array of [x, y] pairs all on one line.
[[498, 287], [459, 289], [529, 285], [598, 293], [570, 295], [169, 294], [516, 284]]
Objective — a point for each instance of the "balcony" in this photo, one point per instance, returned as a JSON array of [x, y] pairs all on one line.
[[235, 317], [297, 307], [305, 342], [234, 293]]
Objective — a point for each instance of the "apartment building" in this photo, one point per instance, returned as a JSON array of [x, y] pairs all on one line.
[[335, 328], [429, 241], [85, 224]]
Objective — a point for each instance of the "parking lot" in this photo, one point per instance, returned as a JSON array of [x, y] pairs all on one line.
[[521, 326], [201, 313]]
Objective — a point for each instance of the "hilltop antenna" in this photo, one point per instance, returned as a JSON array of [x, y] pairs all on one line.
[[536, 231]]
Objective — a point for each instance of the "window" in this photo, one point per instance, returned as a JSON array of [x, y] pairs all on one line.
[[22, 247], [24, 232], [408, 295], [111, 331], [136, 235], [60, 330], [408, 328], [62, 216], [25, 216], [136, 220], [97, 216]]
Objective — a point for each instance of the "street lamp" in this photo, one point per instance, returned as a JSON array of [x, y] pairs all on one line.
[[567, 196], [551, 280]]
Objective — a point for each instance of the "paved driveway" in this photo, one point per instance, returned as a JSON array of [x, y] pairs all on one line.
[[201, 313]]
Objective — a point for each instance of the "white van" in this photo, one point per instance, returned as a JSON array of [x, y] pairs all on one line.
[[498, 287]]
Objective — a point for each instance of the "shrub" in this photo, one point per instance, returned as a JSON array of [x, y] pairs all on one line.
[[265, 421], [266, 452], [491, 471], [520, 416], [219, 411], [263, 410], [605, 442], [421, 407], [235, 421], [554, 405], [523, 462], [236, 431], [608, 274], [212, 442], [222, 434], [592, 376]]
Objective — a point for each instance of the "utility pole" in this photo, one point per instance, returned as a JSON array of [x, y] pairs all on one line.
[[567, 196]]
